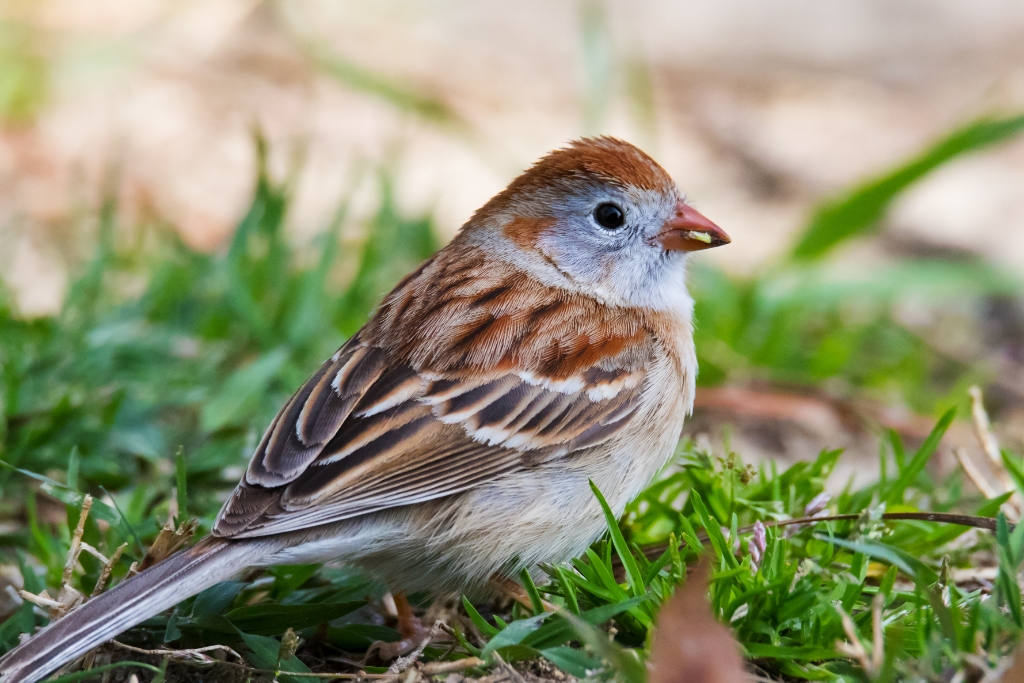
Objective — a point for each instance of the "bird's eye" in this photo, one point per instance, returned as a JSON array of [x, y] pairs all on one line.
[[609, 216]]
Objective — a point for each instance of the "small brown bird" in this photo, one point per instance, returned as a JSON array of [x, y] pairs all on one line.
[[453, 438]]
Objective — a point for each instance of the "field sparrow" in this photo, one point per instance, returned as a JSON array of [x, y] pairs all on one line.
[[453, 438]]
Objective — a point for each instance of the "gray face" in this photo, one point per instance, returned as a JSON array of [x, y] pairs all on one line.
[[617, 259]]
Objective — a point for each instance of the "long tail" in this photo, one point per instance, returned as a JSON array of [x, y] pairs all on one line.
[[130, 602]]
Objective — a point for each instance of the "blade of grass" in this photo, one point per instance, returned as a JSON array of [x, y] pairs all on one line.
[[917, 463], [181, 481], [568, 590], [861, 210], [486, 629], [633, 573], [531, 590]]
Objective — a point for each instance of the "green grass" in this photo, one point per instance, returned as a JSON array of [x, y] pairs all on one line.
[[149, 389]]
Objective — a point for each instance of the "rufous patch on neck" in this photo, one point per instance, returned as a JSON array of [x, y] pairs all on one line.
[[524, 231]]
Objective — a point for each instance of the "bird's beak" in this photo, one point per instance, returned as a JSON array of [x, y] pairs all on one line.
[[690, 231]]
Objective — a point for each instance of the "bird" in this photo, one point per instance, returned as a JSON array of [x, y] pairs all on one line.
[[454, 438]]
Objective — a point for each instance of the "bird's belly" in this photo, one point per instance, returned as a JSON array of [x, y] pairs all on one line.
[[550, 514]]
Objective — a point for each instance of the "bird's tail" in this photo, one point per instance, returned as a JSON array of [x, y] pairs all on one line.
[[130, 602]]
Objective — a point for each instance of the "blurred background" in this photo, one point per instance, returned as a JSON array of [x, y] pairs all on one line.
[[759, 110], [200, 200]]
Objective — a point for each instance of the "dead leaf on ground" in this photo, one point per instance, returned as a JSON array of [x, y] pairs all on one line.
[[1015, 672], [690, 645]]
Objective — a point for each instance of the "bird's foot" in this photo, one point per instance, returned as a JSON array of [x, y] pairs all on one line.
[[410, 628]]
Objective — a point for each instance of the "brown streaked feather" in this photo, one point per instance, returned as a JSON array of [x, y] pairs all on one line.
[[398, 385], [247, 503], [314, 414], [467, 404], [362, 431], [326, 407], [548, 331], [383, 460], [283, 452], [322, 479], [507, 407], [543, 403]]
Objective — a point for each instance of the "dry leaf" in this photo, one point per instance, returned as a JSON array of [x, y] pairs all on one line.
[[690, 646], [1015, 672], [168, 542]]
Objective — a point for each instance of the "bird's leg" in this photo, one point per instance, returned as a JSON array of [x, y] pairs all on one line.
[[409, 628], [409, 625], [513, 590]]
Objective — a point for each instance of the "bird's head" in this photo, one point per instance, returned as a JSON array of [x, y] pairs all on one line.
[[601, 217]]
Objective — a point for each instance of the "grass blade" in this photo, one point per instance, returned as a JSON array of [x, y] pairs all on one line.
[[181, 481], [917, 463], [633, 573], [860, 211]]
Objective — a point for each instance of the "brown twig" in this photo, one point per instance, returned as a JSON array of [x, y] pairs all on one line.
[[983, 430], [512, 673], [68, 597], [76, 542], [877, 634], [198, 657], [990, 447], [167, 542], [852, 647], [437, 668], [943, 517], [41, 600], [108, 567], [974, 473], [778, 404], [403, 663], [809, 407], [194, 656]]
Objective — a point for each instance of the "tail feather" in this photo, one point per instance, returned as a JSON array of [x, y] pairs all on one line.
[[129, 603]]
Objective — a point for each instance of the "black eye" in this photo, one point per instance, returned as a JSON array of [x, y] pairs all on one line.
[[609, 216]]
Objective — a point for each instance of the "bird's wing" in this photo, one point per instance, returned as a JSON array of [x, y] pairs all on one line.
[[382, 425], [363, 435]]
